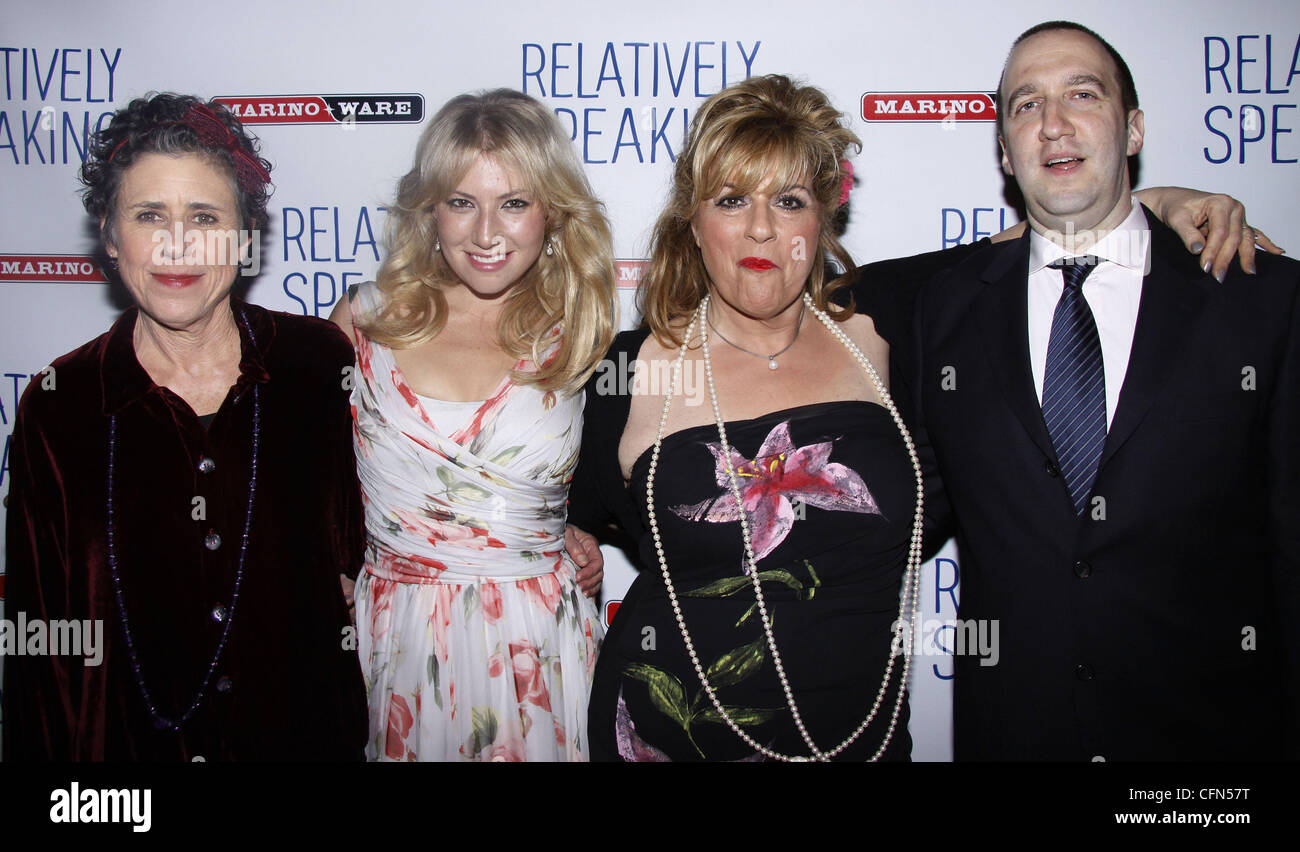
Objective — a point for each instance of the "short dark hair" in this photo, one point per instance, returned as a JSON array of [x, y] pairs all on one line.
[[1127, 90], [165, 123]]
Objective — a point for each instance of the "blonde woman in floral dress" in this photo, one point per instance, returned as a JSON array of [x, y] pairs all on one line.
[[491, 310]]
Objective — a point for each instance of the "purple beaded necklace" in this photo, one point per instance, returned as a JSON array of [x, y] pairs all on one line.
[[159, 720]]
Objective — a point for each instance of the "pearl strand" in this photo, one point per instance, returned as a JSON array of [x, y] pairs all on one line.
[[910, 592]]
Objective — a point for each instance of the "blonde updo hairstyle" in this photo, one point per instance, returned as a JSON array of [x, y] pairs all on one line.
[[763, 133], [574, 288]]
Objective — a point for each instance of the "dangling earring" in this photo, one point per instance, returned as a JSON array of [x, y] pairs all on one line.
[[550, 248], [437, 245]]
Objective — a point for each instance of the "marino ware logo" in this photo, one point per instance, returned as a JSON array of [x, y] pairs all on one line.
[[630, 272], [50, 268], [325, 109], [948, 107]]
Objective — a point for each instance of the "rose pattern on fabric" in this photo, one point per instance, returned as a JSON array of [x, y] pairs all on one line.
[[473, 612], [399, 727], [529, 685], [490, 600]]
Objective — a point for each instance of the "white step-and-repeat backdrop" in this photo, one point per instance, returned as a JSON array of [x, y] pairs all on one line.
[[338, 93]]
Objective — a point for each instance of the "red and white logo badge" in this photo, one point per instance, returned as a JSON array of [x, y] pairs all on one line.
[[928, 106], [50, 268], [325, 109], [630, 272]]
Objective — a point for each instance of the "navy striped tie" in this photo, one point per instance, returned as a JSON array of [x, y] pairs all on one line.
[[1074, 384]]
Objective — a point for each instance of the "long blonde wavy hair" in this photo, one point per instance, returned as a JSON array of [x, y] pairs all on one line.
[[762, 131], [574, 288]]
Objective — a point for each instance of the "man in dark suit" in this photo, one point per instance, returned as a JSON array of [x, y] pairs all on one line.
[[1118, 438]]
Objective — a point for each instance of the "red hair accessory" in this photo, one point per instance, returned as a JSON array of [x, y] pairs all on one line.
[[250, 174], [846, 184]]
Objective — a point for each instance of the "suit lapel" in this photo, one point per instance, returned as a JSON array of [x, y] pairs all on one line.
[[1002, 312], [1172, 294]]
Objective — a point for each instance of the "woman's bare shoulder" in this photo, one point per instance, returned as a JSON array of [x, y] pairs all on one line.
[[861, 329]]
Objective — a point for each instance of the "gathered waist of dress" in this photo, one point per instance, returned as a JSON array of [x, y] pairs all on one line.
[[463, 565]]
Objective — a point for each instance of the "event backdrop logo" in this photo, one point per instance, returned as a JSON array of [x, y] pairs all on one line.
[[630, 272], [631, 99], [50, 269], [945, 107], [332, 248], [49, 110], [1246, 74], [325, 109]]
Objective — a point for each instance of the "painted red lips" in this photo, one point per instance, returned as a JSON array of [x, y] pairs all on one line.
[[175, 280], [758, 264]]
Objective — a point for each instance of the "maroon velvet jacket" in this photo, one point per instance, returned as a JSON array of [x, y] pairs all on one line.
[[291, 689]]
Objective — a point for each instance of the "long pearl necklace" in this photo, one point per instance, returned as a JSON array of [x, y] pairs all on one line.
[[159, 720], [908, 599]]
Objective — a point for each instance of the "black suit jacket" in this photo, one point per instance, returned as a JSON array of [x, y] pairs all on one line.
[[1163, 624]]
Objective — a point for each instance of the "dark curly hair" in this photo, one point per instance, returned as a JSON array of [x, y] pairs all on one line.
[[168, 123]]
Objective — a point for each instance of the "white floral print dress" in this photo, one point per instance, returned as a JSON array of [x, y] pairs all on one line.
[[475, 641]]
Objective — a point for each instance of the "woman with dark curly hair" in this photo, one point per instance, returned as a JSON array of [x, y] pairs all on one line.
[[184, 492]]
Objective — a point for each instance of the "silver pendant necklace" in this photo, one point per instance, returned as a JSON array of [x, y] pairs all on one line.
[[771, 359]]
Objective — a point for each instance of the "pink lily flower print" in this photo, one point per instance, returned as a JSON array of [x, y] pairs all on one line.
[[770, 482]]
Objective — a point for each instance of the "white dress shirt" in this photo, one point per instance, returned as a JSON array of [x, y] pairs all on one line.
[[1113, 291]]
